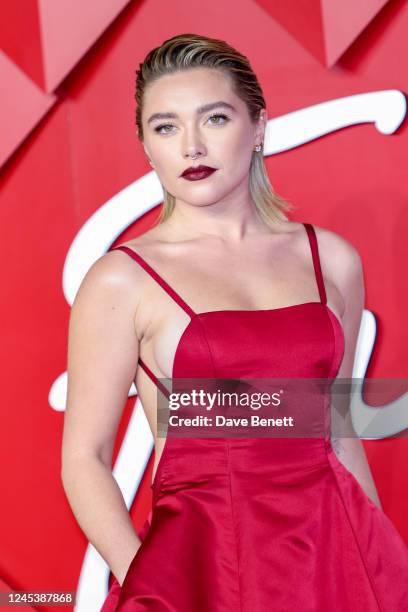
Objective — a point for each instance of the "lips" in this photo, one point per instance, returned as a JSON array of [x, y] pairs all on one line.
[[198, 173]]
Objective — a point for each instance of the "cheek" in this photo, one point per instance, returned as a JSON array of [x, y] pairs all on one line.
[[238, 155], [238, 146], [166, 161]]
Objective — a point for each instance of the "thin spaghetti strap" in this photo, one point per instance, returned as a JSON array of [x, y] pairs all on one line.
[[157, 278], [316, 261], [154, 378]]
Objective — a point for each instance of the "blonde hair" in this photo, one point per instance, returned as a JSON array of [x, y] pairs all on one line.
[[186, 51]]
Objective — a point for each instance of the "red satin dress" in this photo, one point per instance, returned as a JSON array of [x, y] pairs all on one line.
[[261, 524]]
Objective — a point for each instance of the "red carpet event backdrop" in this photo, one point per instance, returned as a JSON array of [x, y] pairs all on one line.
[[75, 181]]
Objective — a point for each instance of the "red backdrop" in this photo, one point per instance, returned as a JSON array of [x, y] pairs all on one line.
[[69, 145]]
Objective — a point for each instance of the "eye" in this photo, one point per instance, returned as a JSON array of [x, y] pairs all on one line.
[[219, 116], [160, 129]]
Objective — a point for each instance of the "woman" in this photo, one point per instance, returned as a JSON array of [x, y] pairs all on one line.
[[224, 286]]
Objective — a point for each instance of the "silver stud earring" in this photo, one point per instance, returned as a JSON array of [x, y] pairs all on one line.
[[258, 148]]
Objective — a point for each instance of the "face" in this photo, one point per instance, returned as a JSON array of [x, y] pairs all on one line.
[[221, 136]]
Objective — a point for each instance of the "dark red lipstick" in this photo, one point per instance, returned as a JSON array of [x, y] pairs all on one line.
[[196, 173]]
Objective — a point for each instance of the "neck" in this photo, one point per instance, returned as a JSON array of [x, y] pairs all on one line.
[[232, 219]]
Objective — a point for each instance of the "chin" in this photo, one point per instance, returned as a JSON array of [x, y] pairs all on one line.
[[197, 199]]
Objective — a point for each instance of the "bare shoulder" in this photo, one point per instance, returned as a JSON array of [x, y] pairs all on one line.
[[114, 270], [338, 255], [341, 263], [113, 283]]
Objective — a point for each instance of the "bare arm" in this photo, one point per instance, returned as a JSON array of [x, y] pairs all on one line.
[[350, 278], [103, 350]]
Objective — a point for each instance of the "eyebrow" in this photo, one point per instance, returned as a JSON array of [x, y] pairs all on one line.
[[200, 110]]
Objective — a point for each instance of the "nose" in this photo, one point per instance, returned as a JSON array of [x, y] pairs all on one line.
[[193, 155], [193, 146]]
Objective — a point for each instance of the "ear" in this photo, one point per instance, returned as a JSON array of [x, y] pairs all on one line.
[[147, 154], [261, 126]]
